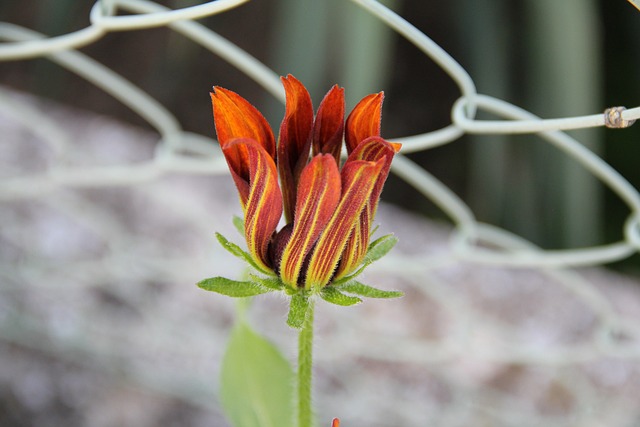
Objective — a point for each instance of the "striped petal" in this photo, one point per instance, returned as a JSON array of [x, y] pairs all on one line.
[[356, 247], [372, 149], [264, 202], [235, 118], [328, 127], [318, 195], [358, 180], [364, 120], [294, 140]]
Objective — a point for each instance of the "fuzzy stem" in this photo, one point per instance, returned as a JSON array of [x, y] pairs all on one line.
[[305, 364]]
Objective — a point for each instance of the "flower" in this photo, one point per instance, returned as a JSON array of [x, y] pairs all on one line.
[[328, 210]]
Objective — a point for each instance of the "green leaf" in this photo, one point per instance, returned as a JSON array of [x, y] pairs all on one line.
[[239, 224], [334, 296], [237, 251], [360, 289], [256, 382], [298, 309], [379, 248], [232, 288]]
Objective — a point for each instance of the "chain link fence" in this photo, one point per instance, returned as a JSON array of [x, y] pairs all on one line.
[[105, 228]]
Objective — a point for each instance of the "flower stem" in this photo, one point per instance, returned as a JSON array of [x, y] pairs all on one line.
[[305, 364]]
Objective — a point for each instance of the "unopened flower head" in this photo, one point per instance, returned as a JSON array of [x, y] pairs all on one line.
[[328, 207]]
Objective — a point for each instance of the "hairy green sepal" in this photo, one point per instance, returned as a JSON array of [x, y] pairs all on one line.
[[272, 283], [379, 248], [334, 296], [376, 250], [232, 288], [356, 288], [334, 293], [237, 251], [238, 222]]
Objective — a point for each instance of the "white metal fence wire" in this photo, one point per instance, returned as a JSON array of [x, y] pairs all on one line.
[[498, 365]]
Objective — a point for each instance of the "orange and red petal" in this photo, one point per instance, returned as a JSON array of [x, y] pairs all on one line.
[[373, 149], [328, 128], [318, 195], [235, 117], [294, 140], [263, 207], [358, 180], [357, 245], [237, 158], [364, 121]]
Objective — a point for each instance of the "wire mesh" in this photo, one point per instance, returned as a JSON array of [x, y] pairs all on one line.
[[100, 250]]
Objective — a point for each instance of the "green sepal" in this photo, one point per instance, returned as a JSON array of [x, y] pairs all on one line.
[[236, 250], [239, 224], [232, 288], [289, 290], [273, 283], [356, 288], [298, 309], [334, 296], [350, 277], [379, 248]]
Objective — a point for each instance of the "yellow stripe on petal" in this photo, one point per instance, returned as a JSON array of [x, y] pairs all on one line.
[[236, 118], [357, 245], [358, 181], [264, 202], [371, 149], [318, 195]]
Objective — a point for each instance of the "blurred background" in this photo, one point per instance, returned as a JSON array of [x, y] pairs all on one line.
[[101, 324], [556, 59]]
